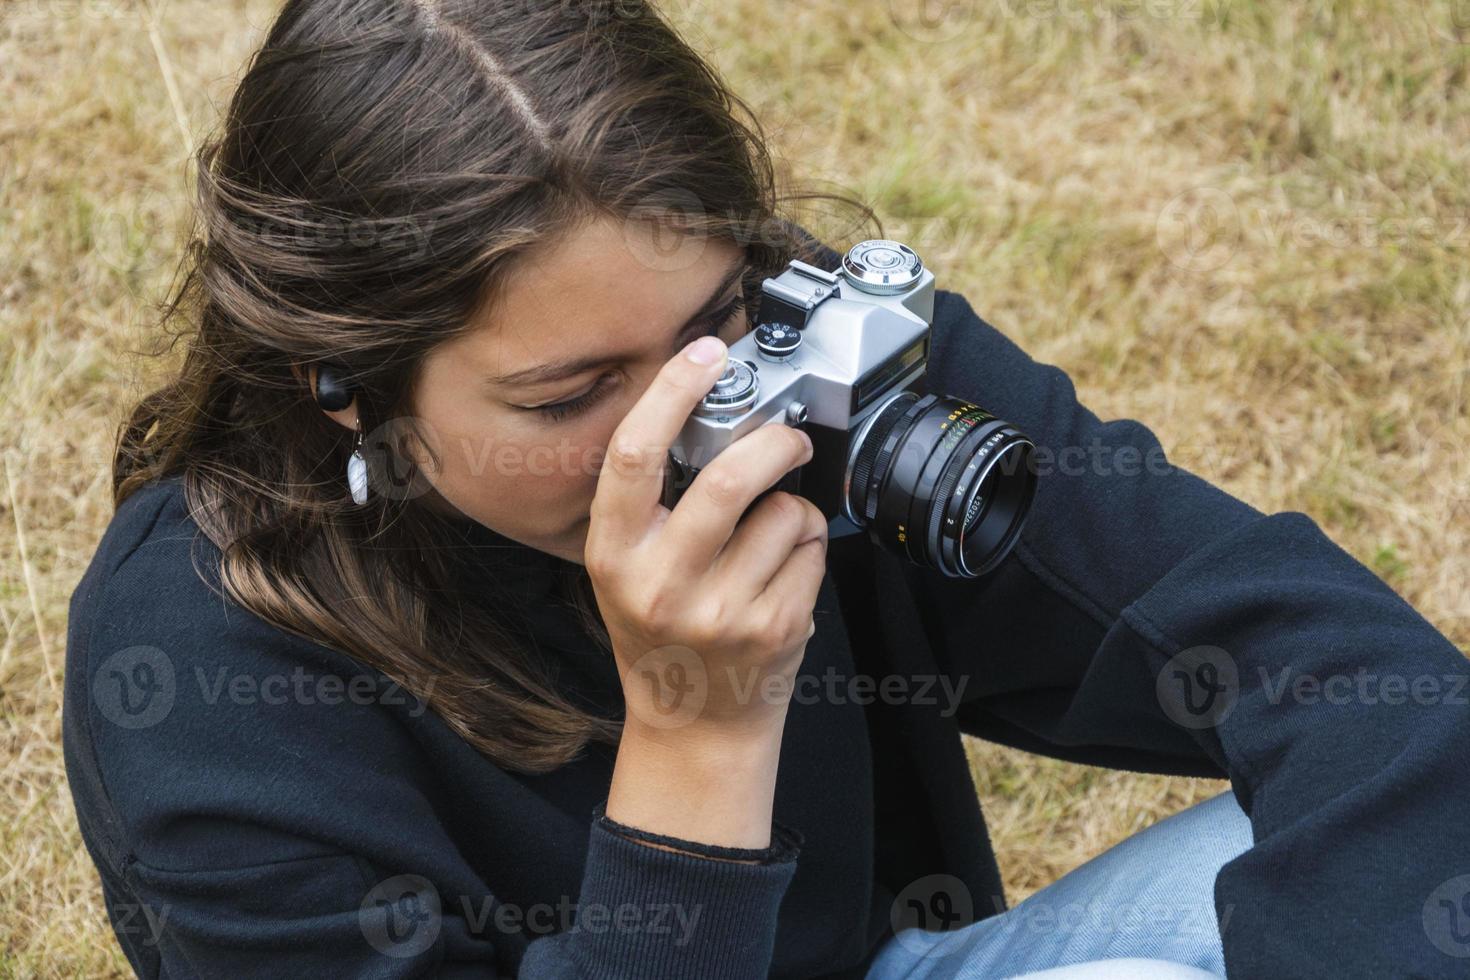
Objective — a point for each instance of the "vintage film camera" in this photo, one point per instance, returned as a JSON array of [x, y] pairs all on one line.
[[842, 355]]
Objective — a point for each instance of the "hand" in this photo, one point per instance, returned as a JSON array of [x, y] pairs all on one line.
[[709, 608]]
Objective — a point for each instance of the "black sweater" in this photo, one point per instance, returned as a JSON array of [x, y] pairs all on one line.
[[261, 805]]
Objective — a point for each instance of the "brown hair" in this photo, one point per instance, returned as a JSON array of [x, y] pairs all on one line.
[[381, 165]]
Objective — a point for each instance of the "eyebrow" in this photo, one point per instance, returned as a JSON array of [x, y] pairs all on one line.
[[570, 367]]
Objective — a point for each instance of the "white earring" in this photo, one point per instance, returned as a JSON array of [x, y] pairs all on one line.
[[357, 477]]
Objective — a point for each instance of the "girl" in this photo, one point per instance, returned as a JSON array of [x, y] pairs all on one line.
[[392, 663]]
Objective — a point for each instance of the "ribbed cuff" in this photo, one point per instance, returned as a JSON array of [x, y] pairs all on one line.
[[785, 841], [645, 912]]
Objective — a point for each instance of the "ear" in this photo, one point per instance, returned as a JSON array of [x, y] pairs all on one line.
[[345, 417]]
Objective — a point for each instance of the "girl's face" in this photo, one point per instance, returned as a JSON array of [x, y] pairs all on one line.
[[521, 408]]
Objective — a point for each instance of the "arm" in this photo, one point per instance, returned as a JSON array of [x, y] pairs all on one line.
[[1148, 620], [280, 836]]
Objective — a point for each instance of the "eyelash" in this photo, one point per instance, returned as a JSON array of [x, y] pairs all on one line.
[[559, 411]]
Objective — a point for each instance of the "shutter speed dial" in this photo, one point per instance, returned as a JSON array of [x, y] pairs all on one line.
[[776, 341]]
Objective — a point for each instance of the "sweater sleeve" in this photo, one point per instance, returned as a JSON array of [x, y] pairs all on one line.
[[1148, 620], [242, 831], [733, 901]]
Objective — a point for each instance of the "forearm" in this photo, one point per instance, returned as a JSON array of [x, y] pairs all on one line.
[[707, 787]]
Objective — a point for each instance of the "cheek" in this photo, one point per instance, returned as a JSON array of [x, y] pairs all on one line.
[[561, 463], [522, 478], [492, 470], [516, 473]]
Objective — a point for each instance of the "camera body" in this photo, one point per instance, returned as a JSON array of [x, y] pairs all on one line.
[[842, 355]]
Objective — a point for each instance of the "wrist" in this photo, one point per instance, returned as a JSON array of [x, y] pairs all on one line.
[[710, 786], [708, 742]]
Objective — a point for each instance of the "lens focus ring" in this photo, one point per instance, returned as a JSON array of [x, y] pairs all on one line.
[[943, 482]]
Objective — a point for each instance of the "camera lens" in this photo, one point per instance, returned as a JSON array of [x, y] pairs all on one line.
[[942, 481]]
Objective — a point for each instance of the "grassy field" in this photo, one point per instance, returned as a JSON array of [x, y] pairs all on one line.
[[1245, 223]]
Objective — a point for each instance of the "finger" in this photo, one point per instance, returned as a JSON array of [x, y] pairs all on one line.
[[721, 493], [630, 483], [764, 540], [796, 585]]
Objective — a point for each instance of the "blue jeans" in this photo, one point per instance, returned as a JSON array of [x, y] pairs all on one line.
[[1142, 910]]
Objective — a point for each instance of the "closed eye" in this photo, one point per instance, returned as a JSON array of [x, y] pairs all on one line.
[[567, 408]]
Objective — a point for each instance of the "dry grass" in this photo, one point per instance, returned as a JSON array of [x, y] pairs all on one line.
[[1244, 223]]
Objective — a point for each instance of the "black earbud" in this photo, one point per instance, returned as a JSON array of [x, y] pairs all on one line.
[[333, 393]]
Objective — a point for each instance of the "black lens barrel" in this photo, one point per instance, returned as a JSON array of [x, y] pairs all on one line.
[[942, 481]]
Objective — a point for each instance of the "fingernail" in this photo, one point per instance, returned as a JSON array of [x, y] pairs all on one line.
[[706, 350]]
